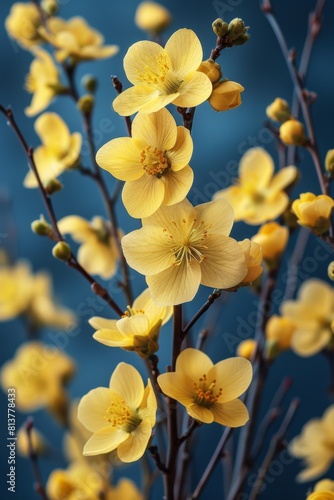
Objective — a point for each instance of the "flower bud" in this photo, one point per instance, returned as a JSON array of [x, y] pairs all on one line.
[[314, 211], [62, 251], [330, 271], [241, 40], [86, 103], [329, 161], [152, 17], [279, 110], [292, 133], [219, 27], [273, 239], [211, 69], [236, 29], [50, 7], [226, 95], [253, 257], [41, 227], [38, 442], [279, 330], [52, 186], [246, 349], [89, 83]]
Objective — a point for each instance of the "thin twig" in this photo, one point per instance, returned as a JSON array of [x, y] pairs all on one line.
[[39, 487], [212, 297]]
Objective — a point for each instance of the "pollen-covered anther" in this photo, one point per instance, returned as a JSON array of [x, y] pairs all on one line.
[[154, 161], [206, 396]]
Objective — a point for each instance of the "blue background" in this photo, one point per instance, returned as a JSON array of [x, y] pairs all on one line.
[[220, 139]]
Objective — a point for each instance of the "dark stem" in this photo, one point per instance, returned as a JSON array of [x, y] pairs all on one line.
[[39, 487], [118, 86], [212, 297]]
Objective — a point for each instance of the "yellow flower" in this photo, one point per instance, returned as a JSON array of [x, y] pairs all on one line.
[[313, 211], [164, 75], [279, 110], [121, 417], [154, 163], [59, 151], [180, 247], [22, 24], [15, 290], [76, 39], [292, 133], [315, 445], [139, 328], [279, 331], [124, 490], [211, 69], [226, 95], [39, 373], [313, 313], [246, 348], [324, 485], [321, 495], [77, 481], [98, 252], [152, 17], [273, 239], [42, 81], [253, 256], [209, 392], [38, 442], [258, 195]]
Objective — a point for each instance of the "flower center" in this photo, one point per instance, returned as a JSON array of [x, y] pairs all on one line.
[[188, 244], [132, 312], [119, 415], [159, 74], [206, 394], [154, 161]]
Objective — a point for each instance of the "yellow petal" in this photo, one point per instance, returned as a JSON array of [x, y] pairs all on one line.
[[315, 470], [135, 446], [309, 342], [175, 285], [178, 387], [144, 98], [218, 215], [232, 414], [200, 413], [318, 294], [135, 325], [147, 241], [328, 420], [143, 301], [47, 166], [143, 196], [148, 406], [195, 89], [182, 149], [53, 133], [97, 258], [234, 375], [185, 51], [193, 363], [128, 384], [98, 323], [256, 168], [241, 204], [224, 263], [113, 338], [93, 408], [173, 216], [141, 55], [177, 185], [104, 441], [268, 210], [284, 178], [76, 226], [121, 157], [155, 129]]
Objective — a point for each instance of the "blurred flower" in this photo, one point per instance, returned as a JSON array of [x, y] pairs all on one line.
[[253, 256], [98, 252], [246, 349], [279, 331], [225, 95], [313, 313], [329, 161], [181, 246], [292, 133], [152, 17], [324, 485], [315, 446], [22, 24], [124, 490], [139, 328], [39, 444], [42, 81], [273, 239], [78, 481], [59, 151], [15, 290], [278, 110], [39, 373], [314, 211], [74, 38], [164, 75], [259, 194], [153, 162], [209, 392], [211, 69], [121, 417], [321, 495]]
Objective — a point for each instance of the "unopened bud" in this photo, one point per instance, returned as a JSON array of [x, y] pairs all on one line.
[[86, 103], [279, 110], [50, 7], [236, 28], [329, 161], [89, 83], [211, 69], [219, 27], [242, 39], [292, 133], [331, 271], [41, 227], [246, 349], [62, 251], [52, 186]]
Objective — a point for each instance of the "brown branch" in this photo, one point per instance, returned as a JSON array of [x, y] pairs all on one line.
[[212, 297]]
